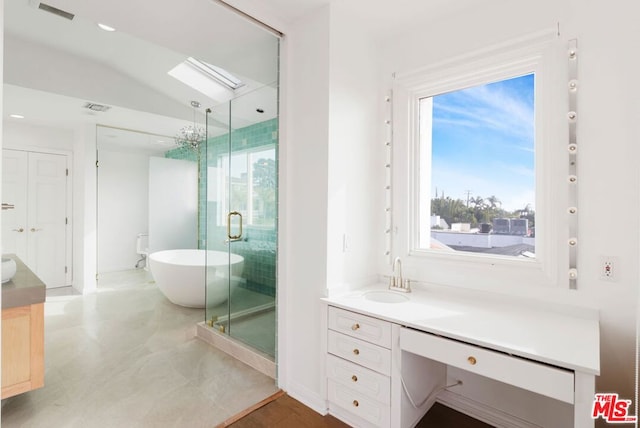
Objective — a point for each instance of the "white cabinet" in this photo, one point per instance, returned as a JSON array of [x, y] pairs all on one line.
[[359, 368], [388, 372], [540, 378]]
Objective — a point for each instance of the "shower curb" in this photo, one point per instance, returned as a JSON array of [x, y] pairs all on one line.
[[255, 359]]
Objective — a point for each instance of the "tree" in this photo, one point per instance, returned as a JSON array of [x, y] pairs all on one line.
[[264, 188], [494, 201]]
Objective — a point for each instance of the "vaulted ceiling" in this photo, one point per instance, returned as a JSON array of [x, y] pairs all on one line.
[[53, 66]]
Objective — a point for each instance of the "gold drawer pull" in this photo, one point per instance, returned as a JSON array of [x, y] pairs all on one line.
[[355, 403], [472, 360], [356, 351], [354, 378], [355, 327]]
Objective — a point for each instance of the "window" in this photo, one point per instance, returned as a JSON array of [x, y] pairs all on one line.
[[476, 177], [248, 178], [478, 195]]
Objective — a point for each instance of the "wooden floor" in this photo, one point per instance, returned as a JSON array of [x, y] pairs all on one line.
[[285, 412]]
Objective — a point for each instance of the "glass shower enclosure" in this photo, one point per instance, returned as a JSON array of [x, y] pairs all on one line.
[[238, 220]]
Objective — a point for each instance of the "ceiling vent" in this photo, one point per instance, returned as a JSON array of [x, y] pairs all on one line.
[[96, 107], [53, 10]]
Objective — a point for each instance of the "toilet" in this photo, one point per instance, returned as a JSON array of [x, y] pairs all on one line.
[[142, 249]]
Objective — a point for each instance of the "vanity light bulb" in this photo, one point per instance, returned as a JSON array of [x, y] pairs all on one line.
[[573, 273], [573, 148], [573, 85]]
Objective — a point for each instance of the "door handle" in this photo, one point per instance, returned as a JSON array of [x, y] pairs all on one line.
[[19, 230], [33, 229], [229, 235]]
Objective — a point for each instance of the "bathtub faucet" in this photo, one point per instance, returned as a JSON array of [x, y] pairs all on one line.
[[396, 282]]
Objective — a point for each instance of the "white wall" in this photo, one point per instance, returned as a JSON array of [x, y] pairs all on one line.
[[333, 154], [303, 217], [355, 149], [123, 207], [316, 159], [607, 159], [84, 209], [173, 204], [23, 136]]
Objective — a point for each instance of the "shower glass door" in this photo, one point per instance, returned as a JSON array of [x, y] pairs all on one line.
[[241, 220]]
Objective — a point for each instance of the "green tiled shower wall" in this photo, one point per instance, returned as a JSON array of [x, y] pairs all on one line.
[[259, 244]]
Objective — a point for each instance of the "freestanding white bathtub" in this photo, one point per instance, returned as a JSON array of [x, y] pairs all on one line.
[[180, 275]]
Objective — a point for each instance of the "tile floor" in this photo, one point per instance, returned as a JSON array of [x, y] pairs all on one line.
[[257, 330], [127, 357]]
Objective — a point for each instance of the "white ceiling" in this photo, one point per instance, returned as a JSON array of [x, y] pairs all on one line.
[[380, 17], [151, 38], [127, 69]]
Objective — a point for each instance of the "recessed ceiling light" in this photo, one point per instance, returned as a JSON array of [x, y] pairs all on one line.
[[105, 27], [16, 116]]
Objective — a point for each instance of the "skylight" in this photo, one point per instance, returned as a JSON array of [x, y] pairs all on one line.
[[214, 82], [217, 73]]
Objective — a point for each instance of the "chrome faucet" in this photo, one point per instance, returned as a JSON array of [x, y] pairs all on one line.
[[396, 282]]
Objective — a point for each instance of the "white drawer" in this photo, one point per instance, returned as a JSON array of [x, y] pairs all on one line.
[[360, 352], [537, 377], [359, 405], [365, 381], [361, 326]]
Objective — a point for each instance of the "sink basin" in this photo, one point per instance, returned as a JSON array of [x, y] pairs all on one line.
[[385, 297], [8, 269]]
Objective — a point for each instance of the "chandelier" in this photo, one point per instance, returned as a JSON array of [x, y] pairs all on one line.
[[191, 136]]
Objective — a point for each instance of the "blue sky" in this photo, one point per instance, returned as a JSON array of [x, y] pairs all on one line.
[[483, 141]]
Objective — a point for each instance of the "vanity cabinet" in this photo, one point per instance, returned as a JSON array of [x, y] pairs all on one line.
[[386, 365], [22, 331], [358, 368], [22, 349]]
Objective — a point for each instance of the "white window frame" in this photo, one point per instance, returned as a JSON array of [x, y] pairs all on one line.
[[537, 54], [223, 167]]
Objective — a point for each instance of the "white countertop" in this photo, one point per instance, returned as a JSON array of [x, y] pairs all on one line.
[[546, 336]]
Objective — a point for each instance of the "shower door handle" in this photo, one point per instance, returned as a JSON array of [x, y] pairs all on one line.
[[229, 235]]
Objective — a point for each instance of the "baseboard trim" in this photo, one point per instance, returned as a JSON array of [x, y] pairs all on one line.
[[482, 412], [307, 397], [239, 351]]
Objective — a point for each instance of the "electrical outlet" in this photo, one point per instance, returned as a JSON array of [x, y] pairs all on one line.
[[608, 268]]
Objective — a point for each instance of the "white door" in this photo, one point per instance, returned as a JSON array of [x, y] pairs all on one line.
[[14, 192], [42, 214]]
